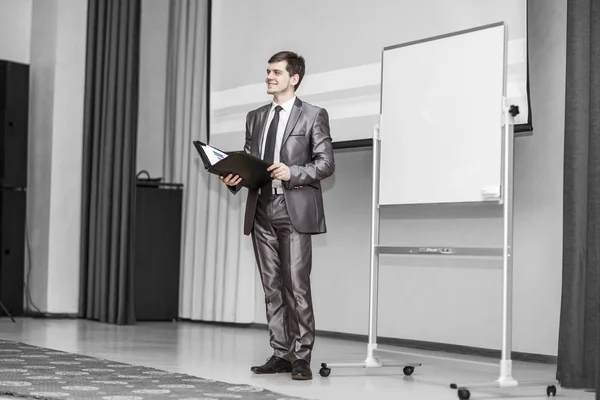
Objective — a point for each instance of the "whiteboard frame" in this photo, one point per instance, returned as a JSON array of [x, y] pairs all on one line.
[[395, 194]]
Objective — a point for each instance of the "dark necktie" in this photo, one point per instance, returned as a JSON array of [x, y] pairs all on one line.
[[269, 155]]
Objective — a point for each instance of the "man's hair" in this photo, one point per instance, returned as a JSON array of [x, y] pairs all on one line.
[[295, 64]]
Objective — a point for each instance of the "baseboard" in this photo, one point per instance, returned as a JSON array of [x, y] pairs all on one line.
[[227, 324], [433, 346], [39, 314]]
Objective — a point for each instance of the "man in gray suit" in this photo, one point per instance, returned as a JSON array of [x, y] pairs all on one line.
[[292, 136]]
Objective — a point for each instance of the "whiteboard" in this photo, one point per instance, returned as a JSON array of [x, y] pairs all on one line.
[[441, 118]]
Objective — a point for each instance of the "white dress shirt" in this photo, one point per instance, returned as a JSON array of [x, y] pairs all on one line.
[[284, 115]]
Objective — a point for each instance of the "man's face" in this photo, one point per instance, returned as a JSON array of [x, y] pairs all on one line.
[[278, 79]]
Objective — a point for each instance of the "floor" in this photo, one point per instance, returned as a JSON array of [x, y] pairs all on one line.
[[226, 354]]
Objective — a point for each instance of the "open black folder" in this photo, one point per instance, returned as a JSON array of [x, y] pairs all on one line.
[[251, 169]]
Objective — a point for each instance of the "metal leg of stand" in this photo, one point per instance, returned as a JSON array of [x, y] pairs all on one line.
[[7, 312], [372, 361], [506, 380]]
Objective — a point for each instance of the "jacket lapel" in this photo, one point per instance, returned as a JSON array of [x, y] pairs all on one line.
[[294, 116], [258, 136]]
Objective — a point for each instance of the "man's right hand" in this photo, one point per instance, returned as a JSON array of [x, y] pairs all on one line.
[[230, 180]]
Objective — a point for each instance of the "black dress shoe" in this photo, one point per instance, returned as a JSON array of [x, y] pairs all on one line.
[[274, 365], [301, 371]]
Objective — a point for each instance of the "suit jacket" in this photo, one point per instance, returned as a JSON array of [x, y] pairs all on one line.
[[307, 150]]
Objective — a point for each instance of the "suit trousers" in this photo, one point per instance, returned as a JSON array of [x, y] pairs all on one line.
[[284, 258]]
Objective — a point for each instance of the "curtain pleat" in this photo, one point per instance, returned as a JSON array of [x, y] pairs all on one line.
[[578, 351], [109, 157]]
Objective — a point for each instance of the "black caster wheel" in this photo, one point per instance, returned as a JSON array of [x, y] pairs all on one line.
[[408, 371], [464, 394], [551, 390], [324, 371]]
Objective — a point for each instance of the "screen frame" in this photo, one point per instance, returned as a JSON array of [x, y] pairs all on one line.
[[524, 129]]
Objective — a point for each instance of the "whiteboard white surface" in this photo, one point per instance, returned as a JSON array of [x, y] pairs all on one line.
[[441, 119]]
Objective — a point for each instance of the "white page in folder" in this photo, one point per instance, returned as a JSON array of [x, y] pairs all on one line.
[[214, 155]]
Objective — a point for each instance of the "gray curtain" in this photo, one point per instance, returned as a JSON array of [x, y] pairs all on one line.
[[217, 264], [109, 157], [578, 355]]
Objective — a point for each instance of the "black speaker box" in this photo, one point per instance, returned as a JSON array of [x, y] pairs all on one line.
[[157, 251], [13, 251], [14, 110]]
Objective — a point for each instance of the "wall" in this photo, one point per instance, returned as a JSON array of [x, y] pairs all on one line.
[[456, 301], [58, 39], [15, 30], [41, 117], [67, 144], [153, 73], [421, 299]]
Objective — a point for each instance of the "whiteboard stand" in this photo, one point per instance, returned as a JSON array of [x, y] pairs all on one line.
[[421, 92], [506, 379]]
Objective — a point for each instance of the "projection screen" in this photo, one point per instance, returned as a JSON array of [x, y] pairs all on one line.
[[342, 43]]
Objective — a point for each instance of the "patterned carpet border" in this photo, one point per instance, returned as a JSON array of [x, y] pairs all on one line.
[[33, 372]]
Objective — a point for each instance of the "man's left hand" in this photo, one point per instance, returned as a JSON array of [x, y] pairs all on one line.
[[280, 171]]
